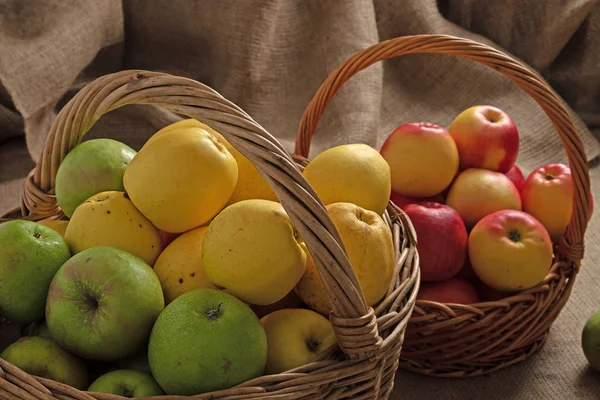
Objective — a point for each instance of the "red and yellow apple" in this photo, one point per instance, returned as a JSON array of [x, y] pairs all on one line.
[[423, 159], [454, 291], [476, 193], [516, 177], [441, 239], [510, 250], [548, 196], [486, 137]]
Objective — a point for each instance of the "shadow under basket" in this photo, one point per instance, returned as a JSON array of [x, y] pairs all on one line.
[[458, 341], [363, 363]]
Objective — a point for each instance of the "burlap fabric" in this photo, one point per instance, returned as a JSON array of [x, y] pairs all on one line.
[[269, 57]]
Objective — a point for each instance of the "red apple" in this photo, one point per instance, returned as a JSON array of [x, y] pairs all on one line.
[[516, 176], [548, 196], [466, 273], [455, 291], [423, 159], [476, 193], [510, 251], [167, 237], [486, 138], [401, 200], [441, 239]]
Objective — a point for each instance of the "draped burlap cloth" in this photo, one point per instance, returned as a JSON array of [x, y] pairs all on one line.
[[269, 57]]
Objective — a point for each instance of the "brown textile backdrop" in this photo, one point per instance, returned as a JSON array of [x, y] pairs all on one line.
[[269, 57]]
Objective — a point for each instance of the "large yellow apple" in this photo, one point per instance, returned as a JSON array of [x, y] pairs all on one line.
[[295, 337], [351, 173], [252, 251], [370, 248], [111, 219], [181, 180], [250, 184], [179, 266]]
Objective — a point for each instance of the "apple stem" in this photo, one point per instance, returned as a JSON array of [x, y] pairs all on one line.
[[312, 345], [514, 235], [37, 235], [214, 314]]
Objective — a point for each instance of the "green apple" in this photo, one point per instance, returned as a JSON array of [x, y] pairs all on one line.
[[127, 383], [43, 357], [102, 304], [138, 361], [206, 340], [38, 328], [92, 167], [30, 255], [590, 340]]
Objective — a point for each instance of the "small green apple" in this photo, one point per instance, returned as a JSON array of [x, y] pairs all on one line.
[[92, 167], [590, 340], [102, 304], [127, 383], [43, 357], [30, 255], [206, 340]]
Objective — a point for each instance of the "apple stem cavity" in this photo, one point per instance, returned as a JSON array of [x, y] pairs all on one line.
[[128, 393], [312, 345], [37, 235], [514, 235], [548, 177], [214, 313]]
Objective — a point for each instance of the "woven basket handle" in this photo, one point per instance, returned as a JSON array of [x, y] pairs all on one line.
[[572, 245], [191, 98]]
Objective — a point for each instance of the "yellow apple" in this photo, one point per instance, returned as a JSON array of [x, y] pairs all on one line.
[[295, 337], [180, 180], [59, 225], [179, 266], [250, 184], [252, 251], [351, 173], [111, 219], [370, 248]]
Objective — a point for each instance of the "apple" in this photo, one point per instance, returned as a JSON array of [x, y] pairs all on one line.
[[30, 255], [111, 219], [486, 137], [102, 304], [590, 340], [441, 239], [476, 193], [548, 196], [467, 273], [423, 159], [92, 167], [452, 291], [295, 337], [127, 383], [43, 357], [181, 179], [401, 200], [252, 250], [516, 177], [370, 247], [206, 340], [510, 250], [353, 173], [138, 361], [59, 225]]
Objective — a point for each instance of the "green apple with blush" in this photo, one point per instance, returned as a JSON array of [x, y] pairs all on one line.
[[102, 304]]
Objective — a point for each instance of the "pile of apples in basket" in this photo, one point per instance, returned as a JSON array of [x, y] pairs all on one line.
[[177, 271]]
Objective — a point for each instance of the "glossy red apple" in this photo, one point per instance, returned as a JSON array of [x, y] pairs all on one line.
[[486, 137], [455, 291], [401, 200], [516, 176], [441, 239]]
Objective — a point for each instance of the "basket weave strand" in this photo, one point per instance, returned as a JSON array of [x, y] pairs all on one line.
[[452, 340], [363, 363]]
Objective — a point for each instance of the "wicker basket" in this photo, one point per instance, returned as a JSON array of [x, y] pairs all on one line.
[[450, 340], [364, 364]]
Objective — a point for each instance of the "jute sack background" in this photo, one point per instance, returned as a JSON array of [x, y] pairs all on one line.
[[269, 57]]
